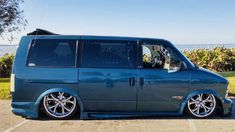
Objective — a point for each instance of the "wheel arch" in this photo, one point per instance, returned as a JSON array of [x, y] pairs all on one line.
[[196, 92], [66, 90]]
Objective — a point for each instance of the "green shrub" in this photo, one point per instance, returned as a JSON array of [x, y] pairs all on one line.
[[219, 59], [6, 65]]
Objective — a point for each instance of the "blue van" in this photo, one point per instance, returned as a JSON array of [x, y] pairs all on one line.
[[100, 76]]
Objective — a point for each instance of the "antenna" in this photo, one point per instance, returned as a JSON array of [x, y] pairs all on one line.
[[40, 21]]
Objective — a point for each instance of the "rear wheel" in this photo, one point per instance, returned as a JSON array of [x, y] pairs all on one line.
[[59, 105], [202, 105]]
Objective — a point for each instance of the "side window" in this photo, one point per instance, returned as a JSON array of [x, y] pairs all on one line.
[[159, 57], [109, 54], [52, 53]]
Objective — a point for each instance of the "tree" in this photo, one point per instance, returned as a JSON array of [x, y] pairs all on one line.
[[11, 18]]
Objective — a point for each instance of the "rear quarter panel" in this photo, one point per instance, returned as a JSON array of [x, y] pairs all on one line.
[[30, 82]]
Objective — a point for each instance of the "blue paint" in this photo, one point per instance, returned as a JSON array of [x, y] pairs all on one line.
[[108, 92]]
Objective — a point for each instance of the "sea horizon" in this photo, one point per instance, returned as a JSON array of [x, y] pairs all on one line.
[[11, 48]]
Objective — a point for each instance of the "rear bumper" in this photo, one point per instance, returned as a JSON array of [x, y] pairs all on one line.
[[25, 109], [227, 106]]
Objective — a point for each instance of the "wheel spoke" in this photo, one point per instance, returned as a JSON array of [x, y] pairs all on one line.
[[209, 96], [71, 102], [62, 107], [67, 109], [50, 99], [195, 109], [193, 99], [69, 98], [208, 99], [198, 110], [61, 94], [200, 97], [192, 102], [207, 107], [54, 97], [55, 108]]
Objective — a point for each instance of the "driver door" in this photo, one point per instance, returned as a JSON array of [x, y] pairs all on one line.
[[163, 85]]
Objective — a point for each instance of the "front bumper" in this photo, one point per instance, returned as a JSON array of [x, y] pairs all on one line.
[[25, 109], [227, 106]]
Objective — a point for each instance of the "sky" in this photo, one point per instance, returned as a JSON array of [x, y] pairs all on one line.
[[179, 21]]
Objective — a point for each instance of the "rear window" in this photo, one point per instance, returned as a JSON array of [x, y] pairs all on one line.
[[109, 54], [52, 53]]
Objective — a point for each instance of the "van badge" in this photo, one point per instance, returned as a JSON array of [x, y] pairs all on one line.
[[177, 97]]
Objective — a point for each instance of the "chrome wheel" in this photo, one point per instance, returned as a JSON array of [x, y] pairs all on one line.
[[202, 105], [59, 105]]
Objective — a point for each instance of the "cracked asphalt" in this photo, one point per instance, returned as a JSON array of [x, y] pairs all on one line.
[[11, 122]]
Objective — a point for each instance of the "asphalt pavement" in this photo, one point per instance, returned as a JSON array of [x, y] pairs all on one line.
[[10, 122]]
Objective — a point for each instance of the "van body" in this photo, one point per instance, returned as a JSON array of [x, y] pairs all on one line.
[[100, 76]]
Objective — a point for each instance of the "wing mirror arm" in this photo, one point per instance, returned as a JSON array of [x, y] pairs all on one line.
[[183, 65]]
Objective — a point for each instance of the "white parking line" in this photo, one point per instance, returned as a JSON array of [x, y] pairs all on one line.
[[192, 127], [14, 127]]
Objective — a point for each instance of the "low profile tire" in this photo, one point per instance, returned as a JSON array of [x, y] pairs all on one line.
[[59, 105], [202, 106]]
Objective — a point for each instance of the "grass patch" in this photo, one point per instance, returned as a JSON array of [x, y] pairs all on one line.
[[231, 84], [2, 80], [228, 74], [5, 88], [5, 84], [231, 78]]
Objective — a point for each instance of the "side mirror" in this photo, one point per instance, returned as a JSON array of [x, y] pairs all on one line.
[[182, 66]]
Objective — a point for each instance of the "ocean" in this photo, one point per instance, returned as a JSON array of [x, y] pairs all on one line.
[[12, 48], [184, 47]]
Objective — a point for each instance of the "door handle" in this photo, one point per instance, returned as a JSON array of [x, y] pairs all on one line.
[[132, 81], [141, 81]]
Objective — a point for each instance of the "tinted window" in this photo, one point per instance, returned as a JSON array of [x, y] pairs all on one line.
[[109, 54], [45, 52]]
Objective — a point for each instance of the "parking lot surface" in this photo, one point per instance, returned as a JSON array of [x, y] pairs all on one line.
[[11, 122]]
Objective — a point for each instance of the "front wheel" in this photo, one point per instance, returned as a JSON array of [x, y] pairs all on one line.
[[59, 105], [202, 105]]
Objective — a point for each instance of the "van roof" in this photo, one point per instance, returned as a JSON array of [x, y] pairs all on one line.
[[41, 33]]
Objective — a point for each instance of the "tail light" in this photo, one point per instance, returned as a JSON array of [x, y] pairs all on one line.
[[12, 83]]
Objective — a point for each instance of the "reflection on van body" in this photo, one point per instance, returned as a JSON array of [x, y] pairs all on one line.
[[100, 76]]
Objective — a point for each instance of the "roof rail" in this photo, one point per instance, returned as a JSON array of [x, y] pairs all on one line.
[[41, 32]]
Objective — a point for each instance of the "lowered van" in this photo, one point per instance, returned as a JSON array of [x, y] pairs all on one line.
[[101, 76]]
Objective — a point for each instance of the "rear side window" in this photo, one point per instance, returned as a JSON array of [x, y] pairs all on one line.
[[52, 53], [109, 54]]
